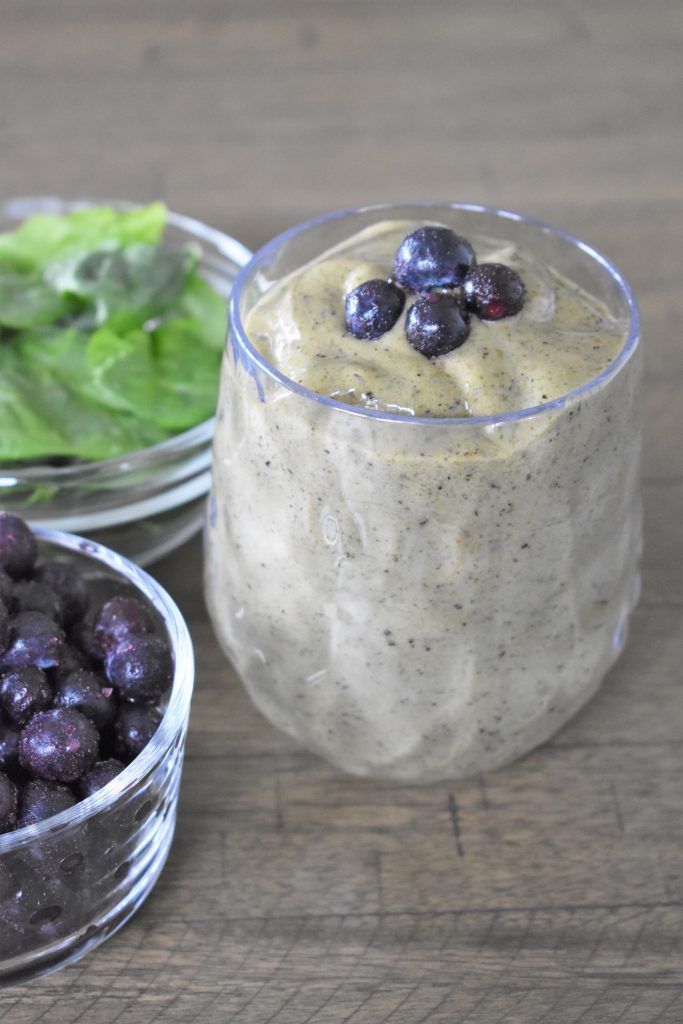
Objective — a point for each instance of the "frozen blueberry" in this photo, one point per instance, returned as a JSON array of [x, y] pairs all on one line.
[[23, 692], [432, 257], [32, 596], [373, 308], [140, 668], [5, 631], [88, 693], [6, 590], [70, 587], [493, 290], [134, 727], [18, 546], [40, 800], [36, 640], [120, 618], [82, 637], [70, 660], [59, 745], [99, 776], [9, 746], [435, 324], [8, 804]]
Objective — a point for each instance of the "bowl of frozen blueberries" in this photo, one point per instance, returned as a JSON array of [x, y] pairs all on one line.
[[96, 676]]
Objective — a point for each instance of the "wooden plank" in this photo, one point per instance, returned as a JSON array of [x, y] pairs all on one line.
[[548, 892]]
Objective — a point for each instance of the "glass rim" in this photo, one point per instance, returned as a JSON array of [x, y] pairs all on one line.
[[267, 251], [227, 246], [174, 716]]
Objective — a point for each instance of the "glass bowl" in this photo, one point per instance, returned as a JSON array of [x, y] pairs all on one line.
[[150, 501], [69, 882]]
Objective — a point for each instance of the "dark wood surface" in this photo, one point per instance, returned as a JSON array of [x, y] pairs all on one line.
[[548, 892]]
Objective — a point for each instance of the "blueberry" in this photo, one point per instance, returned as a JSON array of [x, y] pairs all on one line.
[[70, 660], [40, 800], [36, 640], [18, 546], [9, 746], [141, 668], [99, 776], [69, 585], [23, 692], [493, 290], [8, 804], [88, 693], [373, 308], [82, 636], [5, 632], [432, 257], [120, 618], [134, 727], [32, 596], [6, 590], [435, 324], [59, 745]]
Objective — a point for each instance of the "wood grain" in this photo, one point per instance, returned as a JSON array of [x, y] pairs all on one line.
[[549, 892]]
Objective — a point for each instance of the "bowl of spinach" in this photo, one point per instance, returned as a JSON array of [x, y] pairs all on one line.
[[112, 325]]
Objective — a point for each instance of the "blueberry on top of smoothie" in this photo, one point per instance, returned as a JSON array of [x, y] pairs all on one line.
[[493, 291], [59, 745], [18, 546], [432, 257], [373, 308], [435, 324]]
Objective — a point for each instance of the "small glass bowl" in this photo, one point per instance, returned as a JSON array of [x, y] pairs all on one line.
[[150, 501], [68, 883]]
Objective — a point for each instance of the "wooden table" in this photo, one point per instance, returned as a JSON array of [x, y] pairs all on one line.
[[548, 892]]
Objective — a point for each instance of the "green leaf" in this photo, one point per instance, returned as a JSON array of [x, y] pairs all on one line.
[[187, 373], [122, 287], [108, 342], [199, 302], [47, 236], [121, 373], [168, 378], [42, 416], [28, 301]]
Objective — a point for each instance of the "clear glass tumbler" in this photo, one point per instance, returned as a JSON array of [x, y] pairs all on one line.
[[417, 598], [68, 883]]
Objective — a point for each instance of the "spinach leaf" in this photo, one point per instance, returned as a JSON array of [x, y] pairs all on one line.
[[48, 236], [122, 286], [26, 300]]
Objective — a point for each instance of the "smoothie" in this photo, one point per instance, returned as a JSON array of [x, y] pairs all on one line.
[[422, 567]]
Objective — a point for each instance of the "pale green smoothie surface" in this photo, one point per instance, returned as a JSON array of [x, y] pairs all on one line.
[[561, 339]]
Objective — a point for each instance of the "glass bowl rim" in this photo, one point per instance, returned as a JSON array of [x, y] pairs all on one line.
[[269, 250], [227, 246], [174, 716]]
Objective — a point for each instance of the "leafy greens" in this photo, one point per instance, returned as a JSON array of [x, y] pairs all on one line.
[[109, 341]]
